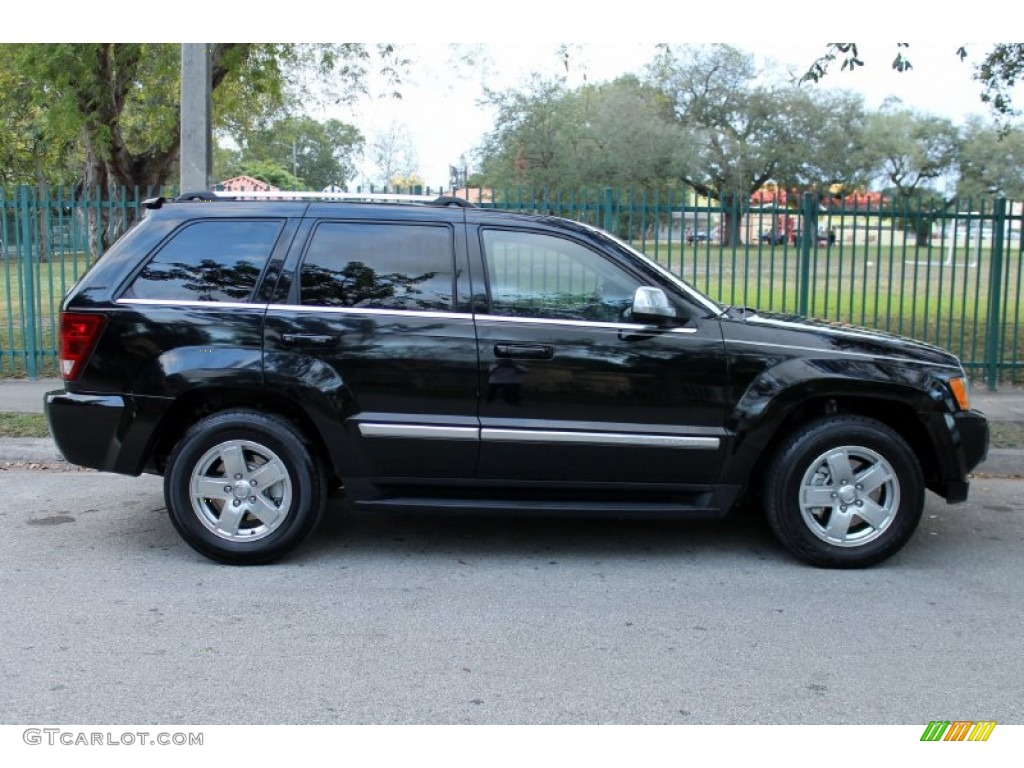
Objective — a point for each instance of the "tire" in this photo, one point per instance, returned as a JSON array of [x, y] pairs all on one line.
[[244, 488], [844, 522]]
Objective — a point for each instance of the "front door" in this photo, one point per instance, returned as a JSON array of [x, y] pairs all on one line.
[[572, 390]]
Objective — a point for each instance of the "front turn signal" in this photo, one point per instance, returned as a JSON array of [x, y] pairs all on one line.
[[959, 388]]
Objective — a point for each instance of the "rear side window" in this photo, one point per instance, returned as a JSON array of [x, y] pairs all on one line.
[[216, 260], [379, 266]]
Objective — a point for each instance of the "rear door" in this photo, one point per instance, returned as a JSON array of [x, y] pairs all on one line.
[[377, 337]]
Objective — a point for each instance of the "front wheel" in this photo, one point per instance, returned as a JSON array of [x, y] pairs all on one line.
[[243, 487], [844, 492]]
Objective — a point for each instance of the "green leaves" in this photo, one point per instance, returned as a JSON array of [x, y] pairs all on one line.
[[114, 107], [313, 155]]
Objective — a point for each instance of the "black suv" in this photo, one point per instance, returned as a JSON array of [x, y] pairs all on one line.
[[261, 353]]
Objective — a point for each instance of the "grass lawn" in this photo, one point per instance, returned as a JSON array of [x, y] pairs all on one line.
[[52, 280], [23, 425]]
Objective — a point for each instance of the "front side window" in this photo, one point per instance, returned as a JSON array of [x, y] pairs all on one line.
[[215, 260], [379, 266], [537, 275]]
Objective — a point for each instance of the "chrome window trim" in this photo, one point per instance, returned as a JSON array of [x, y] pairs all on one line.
[[373, 429], [192, 303], [578, 323], [465, 315], [490, 434], [369, 311]]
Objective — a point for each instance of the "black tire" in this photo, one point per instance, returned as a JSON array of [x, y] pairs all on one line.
[[244, 488], [836, 522]]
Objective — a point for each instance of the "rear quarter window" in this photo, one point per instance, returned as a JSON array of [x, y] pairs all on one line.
[[216, 260]]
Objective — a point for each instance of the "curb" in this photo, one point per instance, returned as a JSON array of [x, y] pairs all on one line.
[[1001, 462], [29, 449]]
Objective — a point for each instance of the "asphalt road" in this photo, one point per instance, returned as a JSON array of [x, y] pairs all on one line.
[[107, 617]]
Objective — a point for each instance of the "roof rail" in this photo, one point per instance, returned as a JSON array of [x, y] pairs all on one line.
[[453, 201], [208, 196], [287, 195]]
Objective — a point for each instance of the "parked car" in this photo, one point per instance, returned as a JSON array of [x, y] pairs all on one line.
[[774, 238], [821, 237], [700, 236], [429, 355]]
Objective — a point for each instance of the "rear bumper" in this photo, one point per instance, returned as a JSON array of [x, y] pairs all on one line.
[[105, 432]]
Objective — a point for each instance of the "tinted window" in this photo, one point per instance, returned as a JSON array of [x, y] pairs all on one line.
[[537, 275], [208, 261], [379, 266]]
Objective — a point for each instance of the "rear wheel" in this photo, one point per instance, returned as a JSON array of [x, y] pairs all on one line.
[[243, 487], [844, 492]]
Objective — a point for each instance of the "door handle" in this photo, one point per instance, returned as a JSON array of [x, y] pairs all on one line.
[[310, 339], [524, 351]]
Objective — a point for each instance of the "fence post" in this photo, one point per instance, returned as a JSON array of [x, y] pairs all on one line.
[[993, 326], [609, 203], [28, 282], [808, 240]]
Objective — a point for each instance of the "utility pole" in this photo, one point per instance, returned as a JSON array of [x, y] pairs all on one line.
[[196, 159]]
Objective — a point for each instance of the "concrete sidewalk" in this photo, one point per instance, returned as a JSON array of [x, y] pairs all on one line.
[[26, 396]]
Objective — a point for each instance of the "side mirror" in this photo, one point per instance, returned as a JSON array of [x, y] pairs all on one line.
[[650, 305]]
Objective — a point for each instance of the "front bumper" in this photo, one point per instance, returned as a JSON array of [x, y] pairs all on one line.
[[962, 446], [972, 427]]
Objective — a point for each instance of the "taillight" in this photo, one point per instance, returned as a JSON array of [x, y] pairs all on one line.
[[78, 334]]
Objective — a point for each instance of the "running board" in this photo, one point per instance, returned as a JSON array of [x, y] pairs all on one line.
[[541, 508]]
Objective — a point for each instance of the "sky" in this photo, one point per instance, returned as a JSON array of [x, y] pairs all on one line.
[[441, 98], [441, 95]]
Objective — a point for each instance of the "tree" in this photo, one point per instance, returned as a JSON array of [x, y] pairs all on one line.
[[392, 153], [991, 162], [547, 136], [409, 182], [630, 141], [318, 154], [911, 151], [121, 99], [825, 143], [750, 128], [998, 72], [29, 154], [533, 127], [270, 172]]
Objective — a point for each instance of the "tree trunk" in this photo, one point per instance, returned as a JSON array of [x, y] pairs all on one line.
[[732, 220], [97, 191], [43, 222]]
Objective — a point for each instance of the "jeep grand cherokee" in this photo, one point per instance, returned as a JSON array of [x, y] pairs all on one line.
[[260, 353]]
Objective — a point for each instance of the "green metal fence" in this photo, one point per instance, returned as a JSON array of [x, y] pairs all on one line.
[[950, 275]]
